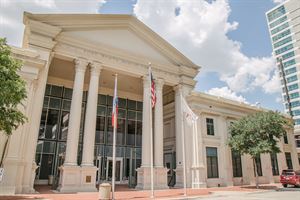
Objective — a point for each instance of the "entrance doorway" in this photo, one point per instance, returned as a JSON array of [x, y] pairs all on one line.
[[105, 169]]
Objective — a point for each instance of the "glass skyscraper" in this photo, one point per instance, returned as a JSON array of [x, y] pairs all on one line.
[[284, 28]]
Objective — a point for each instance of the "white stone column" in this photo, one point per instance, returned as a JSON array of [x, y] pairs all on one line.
[[160, 173], [179, 90], [90, 117], [158, 129], [143, 173], [88, 170], [146, 124], [75, 113], [70, 173]]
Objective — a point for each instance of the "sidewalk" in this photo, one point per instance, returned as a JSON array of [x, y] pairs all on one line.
[[45, 193]]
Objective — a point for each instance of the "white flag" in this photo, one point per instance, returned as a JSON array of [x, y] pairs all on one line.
[[190, 116]]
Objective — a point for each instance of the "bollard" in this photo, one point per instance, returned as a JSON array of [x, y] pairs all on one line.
[[104, 191]]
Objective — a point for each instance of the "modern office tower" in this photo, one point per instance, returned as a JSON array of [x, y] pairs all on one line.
[[284, 29]]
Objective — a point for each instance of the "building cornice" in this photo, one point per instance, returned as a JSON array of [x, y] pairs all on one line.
[[68, 22]]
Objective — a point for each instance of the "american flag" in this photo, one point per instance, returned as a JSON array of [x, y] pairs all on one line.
[[114, 115], [153, 94]]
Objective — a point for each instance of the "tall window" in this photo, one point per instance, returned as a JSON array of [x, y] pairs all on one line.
[[285, 138], [288, 159], [258, 166], [210, 126], [212, 162], [236, 164], [274, 162]]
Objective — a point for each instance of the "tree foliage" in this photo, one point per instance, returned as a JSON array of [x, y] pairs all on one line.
[[258, 133], [12, 91]]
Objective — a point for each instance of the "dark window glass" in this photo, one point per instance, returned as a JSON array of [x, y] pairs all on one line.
[[212, 162], [109, 100], [121, 113], [68, 93], [288, 158], [43, 124], [101, 99], [48, 89], [139, 116], [131, 104], [100, 126], [52, 124], [56, 91], [66, 105], [101, 110], [131, 126], [46, 102], [138, 133], [121, 131], [258, 166], [64, 125], [121, 103], [285, 138], [54, 103], [274, 163], [210, 126], [139, 106], [236, 164], [131, 115]]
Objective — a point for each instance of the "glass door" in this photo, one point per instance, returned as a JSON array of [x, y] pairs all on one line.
[[118, 174]]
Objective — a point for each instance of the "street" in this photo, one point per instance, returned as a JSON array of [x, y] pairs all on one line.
[[282, 193]]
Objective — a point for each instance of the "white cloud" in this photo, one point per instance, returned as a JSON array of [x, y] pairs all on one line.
[[225, 92], [200, 31], [278, 1], [11, 13]]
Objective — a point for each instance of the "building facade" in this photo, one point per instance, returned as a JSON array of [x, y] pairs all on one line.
[[69, 63], [283, 23]]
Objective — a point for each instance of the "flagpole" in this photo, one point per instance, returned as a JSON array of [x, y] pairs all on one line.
[[183, 147], [151, 134], [114, 143]]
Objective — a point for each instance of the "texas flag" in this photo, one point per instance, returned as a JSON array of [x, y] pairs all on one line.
[[114, 115]]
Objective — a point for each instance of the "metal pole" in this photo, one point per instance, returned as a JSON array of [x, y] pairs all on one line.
[[183, 148], [286, 88], [114, 149], [151, 135]]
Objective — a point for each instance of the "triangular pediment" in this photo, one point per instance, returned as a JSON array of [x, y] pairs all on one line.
[[122, 40], [124, 34]]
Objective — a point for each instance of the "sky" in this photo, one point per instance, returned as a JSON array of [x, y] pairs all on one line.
[[229, 39]]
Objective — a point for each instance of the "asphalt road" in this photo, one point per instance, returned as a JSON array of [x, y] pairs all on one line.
[[283, 193]]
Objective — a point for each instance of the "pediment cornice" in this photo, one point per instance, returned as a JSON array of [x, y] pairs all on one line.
[[71, 22]]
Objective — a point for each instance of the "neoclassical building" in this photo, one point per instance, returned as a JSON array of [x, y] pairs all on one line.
[[69, 62]]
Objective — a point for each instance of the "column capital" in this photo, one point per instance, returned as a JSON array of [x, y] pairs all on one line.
[[181, 89], [80, 64], [95, 68], [159, 83], [146, 81]]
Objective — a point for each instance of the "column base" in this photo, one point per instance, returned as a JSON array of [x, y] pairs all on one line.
[[88, 179], [69, 179], [77, 179], [160, 176]]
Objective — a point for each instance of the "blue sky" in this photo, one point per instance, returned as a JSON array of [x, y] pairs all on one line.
[[252, 32], [228, 38]]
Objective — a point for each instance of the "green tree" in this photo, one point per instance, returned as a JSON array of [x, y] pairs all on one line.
[[12, 93], [257, 134]]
